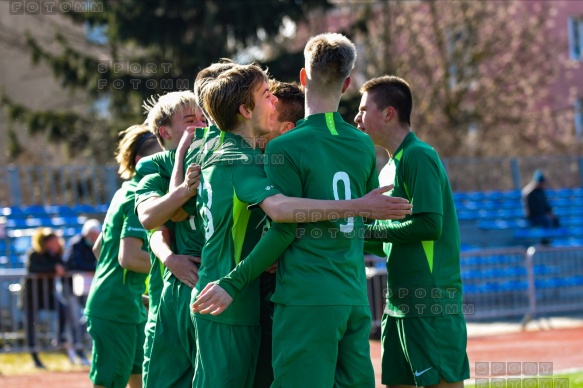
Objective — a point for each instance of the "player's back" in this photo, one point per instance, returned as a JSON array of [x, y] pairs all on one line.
[[114, 288], [323, 158]]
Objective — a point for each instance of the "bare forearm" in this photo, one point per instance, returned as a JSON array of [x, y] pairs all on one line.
[[281, 208], [178, 171], [97, 246], [154, 212], [132, 257], [160, 244]]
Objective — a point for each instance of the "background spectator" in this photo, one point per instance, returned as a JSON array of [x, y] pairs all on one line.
[[537, 208], [39, 293], [79, 258]]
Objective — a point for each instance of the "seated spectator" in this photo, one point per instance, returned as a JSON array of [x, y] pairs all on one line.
[[79, 257], [538, 210], [39, 293]]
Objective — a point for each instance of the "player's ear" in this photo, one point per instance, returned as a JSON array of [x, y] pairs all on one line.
[[303, 76], [164, 132], [244, 111], [346, 84], [390, 114], [286, 127]]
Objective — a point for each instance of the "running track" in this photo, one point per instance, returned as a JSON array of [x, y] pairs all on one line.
[[561, 347]]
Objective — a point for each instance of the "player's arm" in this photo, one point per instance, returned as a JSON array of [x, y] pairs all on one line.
[[423, 185], [217, 296], [182, 266], [155, 211], [374, 248], [177, 177], [420, 227], [132, 257], [373, 205], [97, 246]]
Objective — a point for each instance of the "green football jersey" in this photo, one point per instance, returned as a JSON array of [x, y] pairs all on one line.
[[148, 165], [149, 186], [116, 293], [232, 179], [423, 277], [323, 158]]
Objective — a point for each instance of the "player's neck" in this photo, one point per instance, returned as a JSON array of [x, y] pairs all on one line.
[[392, 140], [321, 104], [246, 132]]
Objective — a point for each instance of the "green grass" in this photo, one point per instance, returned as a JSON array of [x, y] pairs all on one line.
[[22, 364], [575, 380]]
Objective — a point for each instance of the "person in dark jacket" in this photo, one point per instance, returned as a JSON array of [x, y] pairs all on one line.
[[43, 265], [537, 208]]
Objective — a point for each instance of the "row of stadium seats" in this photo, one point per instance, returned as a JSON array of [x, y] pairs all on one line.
[[18, 223], [48, 211], [571, 193]]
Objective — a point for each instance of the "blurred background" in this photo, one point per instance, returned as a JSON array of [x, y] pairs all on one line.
[[497, 85]]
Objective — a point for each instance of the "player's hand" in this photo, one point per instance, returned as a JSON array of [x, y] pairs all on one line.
[[212, 300], [272, 268], [184, 267], [192, 179], [377, 206], [185, 140]]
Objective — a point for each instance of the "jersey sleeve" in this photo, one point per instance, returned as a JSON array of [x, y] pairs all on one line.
[[131, 224], [421, 178], [282, 171], [152, 185], [265, 253], [251, 183], [422, 227]]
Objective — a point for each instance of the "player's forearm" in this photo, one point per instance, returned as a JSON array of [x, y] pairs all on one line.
[[270, 247], [283, 209], [178, 171], [421, 227], [154, 212], [374, 248], [97, 246], [132, 257], [160, 244]]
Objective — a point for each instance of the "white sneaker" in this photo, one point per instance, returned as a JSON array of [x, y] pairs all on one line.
[[71, 354]]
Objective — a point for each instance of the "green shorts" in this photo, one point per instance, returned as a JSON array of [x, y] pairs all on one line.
[[264, 370], [227, 354], [149, 333], [322, 346], [118, 351], [173, 350], [421, 351], [154, 300]]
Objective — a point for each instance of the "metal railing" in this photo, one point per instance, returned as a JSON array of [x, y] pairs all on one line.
[[96, 184], [41, 312], [505, 283]]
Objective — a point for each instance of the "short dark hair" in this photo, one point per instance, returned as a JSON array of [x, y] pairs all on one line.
[[390, 90], [291, 99]]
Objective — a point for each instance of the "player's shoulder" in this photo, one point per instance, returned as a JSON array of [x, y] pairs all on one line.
[[419, 151]]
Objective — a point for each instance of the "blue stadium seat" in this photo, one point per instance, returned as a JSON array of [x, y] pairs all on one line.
[[84, 208], [35, 210], [102, 208]]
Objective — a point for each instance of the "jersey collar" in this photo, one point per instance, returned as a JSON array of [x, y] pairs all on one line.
[[406, 141]]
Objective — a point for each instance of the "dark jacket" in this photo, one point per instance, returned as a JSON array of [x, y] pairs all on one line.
[[43, 288], [80, 256]]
